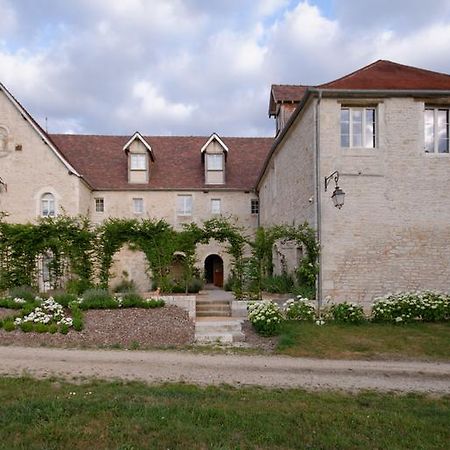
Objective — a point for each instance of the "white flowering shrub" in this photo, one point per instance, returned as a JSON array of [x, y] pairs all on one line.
[[265, 316], [299, 309], [49, 312], [424, 306], [346, 313]]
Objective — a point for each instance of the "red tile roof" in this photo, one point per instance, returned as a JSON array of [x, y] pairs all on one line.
[[388, 75], [178, 161], [285, 93]]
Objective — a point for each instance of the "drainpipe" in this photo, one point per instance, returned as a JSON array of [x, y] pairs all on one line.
[[318, 192]]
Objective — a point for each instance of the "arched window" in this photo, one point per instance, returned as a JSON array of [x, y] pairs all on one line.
[[48, 205]]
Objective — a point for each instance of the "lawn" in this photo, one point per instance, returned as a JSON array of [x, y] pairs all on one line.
[[54, 415], [426, 341]]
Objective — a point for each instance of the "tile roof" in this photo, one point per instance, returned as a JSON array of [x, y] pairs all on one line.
[[388, 75], [285, 93], [178, 161]]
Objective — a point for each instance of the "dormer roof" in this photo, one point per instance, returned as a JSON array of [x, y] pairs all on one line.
[[214, 137], [285, 93], [138, 136]]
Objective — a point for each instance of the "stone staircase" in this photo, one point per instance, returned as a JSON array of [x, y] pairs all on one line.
[[213, 308], [223, 330]]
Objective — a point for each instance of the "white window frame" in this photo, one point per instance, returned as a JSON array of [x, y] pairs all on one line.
[[216, 206], [138, 205], [363, 110], [436, 110], [214, 167], [254, 206], [99, 204], [47, 205], [184, 205], [138, 161]]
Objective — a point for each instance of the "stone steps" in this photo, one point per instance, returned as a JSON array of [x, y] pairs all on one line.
[[207, 308], [218, 331]]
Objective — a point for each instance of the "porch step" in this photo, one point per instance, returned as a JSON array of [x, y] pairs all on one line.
[[208, 308], [217, 330]]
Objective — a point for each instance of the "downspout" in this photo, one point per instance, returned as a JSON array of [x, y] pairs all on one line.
[[318, 204]]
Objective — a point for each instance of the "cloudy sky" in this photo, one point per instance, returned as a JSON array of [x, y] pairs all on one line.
[[186, 67]]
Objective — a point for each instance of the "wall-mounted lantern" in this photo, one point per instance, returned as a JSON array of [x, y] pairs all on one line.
[[338, 195]]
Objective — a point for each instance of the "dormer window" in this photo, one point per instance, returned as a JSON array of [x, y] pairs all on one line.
[[139, 155], [214, 154], [138, 161]]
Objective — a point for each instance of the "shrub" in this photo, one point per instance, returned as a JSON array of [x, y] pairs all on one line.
[[412, 306], [195, 286], [98, 299], [77, 317], [299, 309], [125, 285], [41, 328], [279, 284], [78, 286], [26, 327], [304, 291], [265, 316], [53, 328], [131, 300], [63, 328], [64, 299], [153, 303], [8, 325], [27, 293], [346, 313]]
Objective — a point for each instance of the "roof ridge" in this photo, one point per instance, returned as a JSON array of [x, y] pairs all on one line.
[[414, 67], [351, 74], [158, 136]]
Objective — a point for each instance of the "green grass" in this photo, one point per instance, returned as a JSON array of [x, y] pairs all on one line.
[[54, 415], [373, 341]]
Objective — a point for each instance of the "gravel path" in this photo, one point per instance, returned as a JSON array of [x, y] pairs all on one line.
[[269, 371]]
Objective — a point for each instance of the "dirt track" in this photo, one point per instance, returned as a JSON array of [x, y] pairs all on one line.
[[269, 371]]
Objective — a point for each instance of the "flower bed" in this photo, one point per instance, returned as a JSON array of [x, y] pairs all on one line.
[[400, 308], [52, 316]]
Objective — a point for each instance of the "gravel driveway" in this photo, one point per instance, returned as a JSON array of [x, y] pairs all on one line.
[[269, 371]]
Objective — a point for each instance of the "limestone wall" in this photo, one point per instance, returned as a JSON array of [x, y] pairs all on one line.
[[393, 232], [31, 169]]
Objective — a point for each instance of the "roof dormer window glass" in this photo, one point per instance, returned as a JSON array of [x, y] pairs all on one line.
[[215, 161], [138, 161]]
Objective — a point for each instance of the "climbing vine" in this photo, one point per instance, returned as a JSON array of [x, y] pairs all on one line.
[[77, 249], [67, 242], [261, 263]]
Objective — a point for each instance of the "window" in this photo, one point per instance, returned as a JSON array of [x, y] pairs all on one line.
[[254, 206], [138, 162], [215, 206], [436, 130], [184, 205], [138, 205], [215, 162], [99, 204], [358, 127], [48, 205], [214, 169]]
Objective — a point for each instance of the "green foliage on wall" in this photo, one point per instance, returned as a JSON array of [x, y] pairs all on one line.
[[78, 250]]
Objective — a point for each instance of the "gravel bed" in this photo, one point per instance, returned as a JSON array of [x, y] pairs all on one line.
[[5, 312], [130, 327], [254, 340]]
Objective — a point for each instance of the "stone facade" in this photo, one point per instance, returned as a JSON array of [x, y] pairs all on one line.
[[393, 233]]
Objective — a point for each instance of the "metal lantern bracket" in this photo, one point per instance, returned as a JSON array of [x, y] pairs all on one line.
[[334, 176], [3, 185]]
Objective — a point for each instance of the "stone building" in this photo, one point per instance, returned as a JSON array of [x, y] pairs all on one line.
[[385, 130], [381, 132], [179, 179]]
